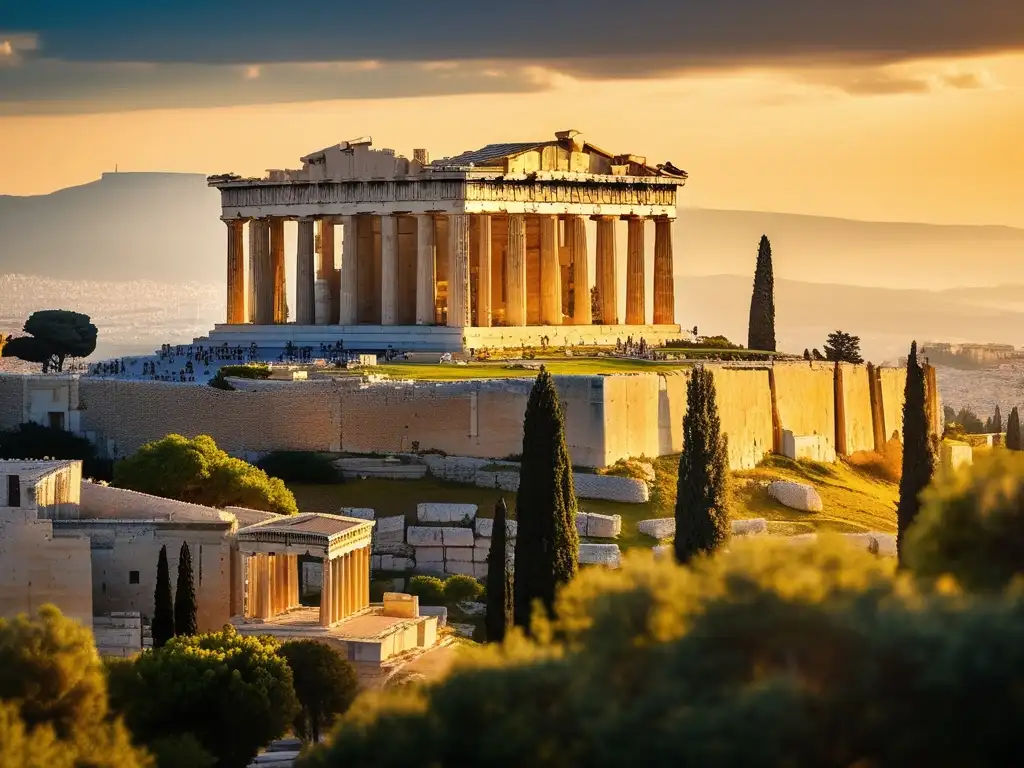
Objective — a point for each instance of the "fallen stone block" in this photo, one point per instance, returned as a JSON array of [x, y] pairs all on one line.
[[603, 526], [421, 536], [445, 513], [883, 544], [751, 527], [611, 488], [460, 554], [658, 527], [429, 555], [363, 513], [600, 554], [796, 495], [456, 537], [581, 523], [484, 527]]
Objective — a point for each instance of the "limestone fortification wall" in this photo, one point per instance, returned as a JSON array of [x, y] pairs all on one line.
[[806, 400], [11, 401], [855, 425], [893, 382]]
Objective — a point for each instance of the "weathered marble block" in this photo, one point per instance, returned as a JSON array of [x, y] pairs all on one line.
[[796, 495], [459, 554], [453, 567], [603, 526], [422, 536], [484, 527], [393, 563], [751, 527], [429, 555], [363, 513], [390, 526], [457, 537], [480, 570], [445, 513], [600, 554], [658, 527]]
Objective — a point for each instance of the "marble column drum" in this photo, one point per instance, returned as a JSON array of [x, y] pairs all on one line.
[[607, 270], [426, 270], [304, 268], [664, 285], [236, 271], [576, 239], [347, 306], [550, 272], [483, 275], [277, 261], [515, 271], [635, 300], [263, 272], [388, 269], [328, 268], [458, 271]]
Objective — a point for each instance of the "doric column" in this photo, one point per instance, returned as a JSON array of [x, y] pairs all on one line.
[[458, 271], [266, 586], [550, 272], [426, 270], [607, 281], [664, 285], [326, 599], [263, 272], [635, 302], [483, 275], [236, 271], [328, 267], [277, 260], [388, 269], [347, 306], [304, 259], [515, 271], [576, 238], [350, 559], [250, 290], [366, 577]]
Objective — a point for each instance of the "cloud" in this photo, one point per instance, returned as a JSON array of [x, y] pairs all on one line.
[[14, 46], [891, 81]]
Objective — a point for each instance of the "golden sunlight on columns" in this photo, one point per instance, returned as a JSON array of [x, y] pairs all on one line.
[[277, 261], [347, 304], [576, 239], [346, 585], [515, 271], [388, 269], [338, 572], [304, 267], [426, 268], [249, 606], [607, 271], [664, 287], [635, 272], [458, 271], [236, 271], [366, 577], [328, 268], [351, 591], [265, 587], [275, 584], [326, 600], [263, 273], [550, 272], [483, 288]]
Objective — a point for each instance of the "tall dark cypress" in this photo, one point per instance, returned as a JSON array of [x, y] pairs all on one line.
[[1013, 438], [997, 421], [761, 330], [163, 603], [499, 578], [185, 595], [918, 448], [547, 545], [702, 496]]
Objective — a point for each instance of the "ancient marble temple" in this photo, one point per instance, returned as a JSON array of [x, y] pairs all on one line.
[[489, 248]]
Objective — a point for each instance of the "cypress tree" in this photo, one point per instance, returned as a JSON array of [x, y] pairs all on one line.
[[702, 498], [185, 595], [997, 421], [761, 330], [163, 603], [1013, 441], [918, 450], [499, 579], [547, 545]]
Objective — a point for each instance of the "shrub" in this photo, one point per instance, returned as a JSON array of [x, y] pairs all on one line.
[[429, 589], [887, 465], [252, 371], [460, 587], [219, 382], [324, 682], [300, 467]]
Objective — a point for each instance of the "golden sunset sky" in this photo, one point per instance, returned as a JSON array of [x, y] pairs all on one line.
[[928, 127]]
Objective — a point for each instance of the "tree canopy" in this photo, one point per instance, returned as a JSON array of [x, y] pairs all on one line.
[[325, 685], [197, 471], [761, 326], [843, 348], [232, 693], [53, 336]]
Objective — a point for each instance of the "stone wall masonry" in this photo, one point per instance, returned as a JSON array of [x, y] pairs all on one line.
[[484, 527], [118, 634], [445, 513], [361, 513], [12, 395], [856, 430], [390, 530], [458, 554], [806, 399], [893, 384], [422, 536], [457, 537]]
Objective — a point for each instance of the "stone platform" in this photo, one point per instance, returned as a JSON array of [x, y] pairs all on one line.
[[432, 338]]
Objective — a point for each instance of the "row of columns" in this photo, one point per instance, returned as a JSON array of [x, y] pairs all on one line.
[[346, 585], [267, 290], [273, 585]]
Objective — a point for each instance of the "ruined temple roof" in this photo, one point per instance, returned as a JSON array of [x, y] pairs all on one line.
[[309, 524], [487, 155]]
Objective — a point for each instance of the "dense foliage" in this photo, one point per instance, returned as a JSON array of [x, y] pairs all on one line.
[[459, 588], [53, 336], [53, 698], [971, 524], [918, 447], [842, 348], [197, 471], [702, 494], [247, 371], [35, 441], [232, 693], [547, 544], [499, 578], [185, 595], [163, 603], [761, 327], [429, 589], [766, 655], [325, 685], [300, 467]]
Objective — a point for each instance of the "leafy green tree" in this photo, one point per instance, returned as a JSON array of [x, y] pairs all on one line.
[[970, 422], [971, 525], [53, 697], [761, 328], [54, 336], [163, 603], [233, 693], [325, 685], [843, 347], [1013, 439], [948, 413], [499, 578], [547, 545], [702, 494], [197, 471], [918, 448], [181, 751], [185, 595]]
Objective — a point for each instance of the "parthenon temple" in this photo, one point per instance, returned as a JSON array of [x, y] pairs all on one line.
[[488, 248]]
